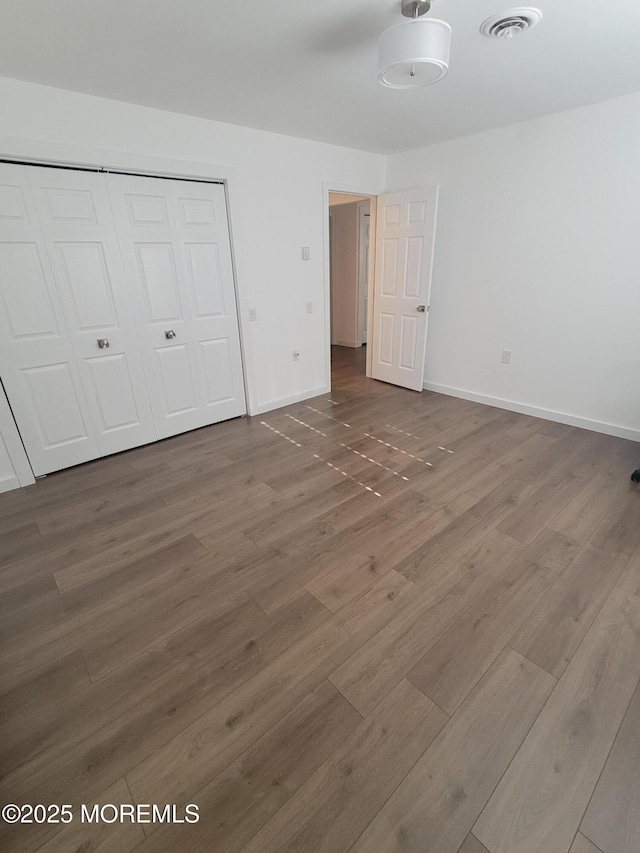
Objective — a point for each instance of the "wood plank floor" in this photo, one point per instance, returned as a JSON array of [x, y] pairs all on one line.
[[372, 621]]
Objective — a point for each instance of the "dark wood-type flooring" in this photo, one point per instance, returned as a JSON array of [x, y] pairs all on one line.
[[373, 621]]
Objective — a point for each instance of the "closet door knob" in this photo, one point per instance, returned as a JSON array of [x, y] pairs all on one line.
[[169, 334], [103, 343]]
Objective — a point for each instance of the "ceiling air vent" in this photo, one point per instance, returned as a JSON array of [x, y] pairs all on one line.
[[507, 24]]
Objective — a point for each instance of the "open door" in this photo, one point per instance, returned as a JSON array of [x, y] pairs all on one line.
[[405, 236]]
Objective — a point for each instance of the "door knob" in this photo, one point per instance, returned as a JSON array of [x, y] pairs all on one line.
[[103, 343], [169, 334], [421, 309]]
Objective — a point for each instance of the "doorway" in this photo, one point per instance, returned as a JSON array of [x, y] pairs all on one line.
[[399, 283], [349, 246]]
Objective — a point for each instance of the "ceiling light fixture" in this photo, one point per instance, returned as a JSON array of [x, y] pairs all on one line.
[[416, 52]]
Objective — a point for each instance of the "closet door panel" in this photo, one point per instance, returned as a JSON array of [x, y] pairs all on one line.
[[77, 223], [181, 271], [56, 404], [218, 369], [179, 394], [146, 227], [159, 279], [38, 365], [204, 233], [110, 377]]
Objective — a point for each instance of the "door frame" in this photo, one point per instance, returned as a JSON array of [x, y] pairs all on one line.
[[372, 193], [36, 153], [363, 215]]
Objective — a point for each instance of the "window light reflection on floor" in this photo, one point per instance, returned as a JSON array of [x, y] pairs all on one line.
[[318, 412], [393, 447], [344, 474], [308, 426]]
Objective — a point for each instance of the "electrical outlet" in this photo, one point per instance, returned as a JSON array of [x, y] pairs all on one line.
[[309, 307], [296, 355], [253, 315], [506, 356]]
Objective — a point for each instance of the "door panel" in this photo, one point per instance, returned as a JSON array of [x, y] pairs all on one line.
[[159, 279], [13, 207], [68, 204], [389, 266], [144, 208], [414, 266], [175, 245], [76, 220], [216, 357], [28, 308], [197, 211], [204, 236], [113, 391], [177, 376], [80, 263], [146, 225], [205, 277], [405, 233], [385, 347], [55, 400], [408, 336], [39, 369]]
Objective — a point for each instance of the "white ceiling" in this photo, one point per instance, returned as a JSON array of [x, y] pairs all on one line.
[[308, 69]]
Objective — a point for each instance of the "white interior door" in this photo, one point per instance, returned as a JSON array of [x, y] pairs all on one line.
[[77, 224], [175, 246], [37, 362], [405, 235]]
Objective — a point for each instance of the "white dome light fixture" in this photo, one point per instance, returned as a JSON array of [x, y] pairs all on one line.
[[416, 52]]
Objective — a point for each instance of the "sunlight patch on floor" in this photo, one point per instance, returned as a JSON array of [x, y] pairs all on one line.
[[344, 474], [393, 447], [281, 434]]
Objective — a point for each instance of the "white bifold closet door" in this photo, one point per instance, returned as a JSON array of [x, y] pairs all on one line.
[[175, 247], [63, 290], [118, 321]]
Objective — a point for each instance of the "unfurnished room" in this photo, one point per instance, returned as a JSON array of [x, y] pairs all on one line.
[[319, 427]]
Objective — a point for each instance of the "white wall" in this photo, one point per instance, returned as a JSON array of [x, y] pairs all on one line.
[[537, 252], [277, 205], [344, 275]]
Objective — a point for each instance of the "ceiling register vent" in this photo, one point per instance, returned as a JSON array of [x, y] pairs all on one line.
[[507, 24]]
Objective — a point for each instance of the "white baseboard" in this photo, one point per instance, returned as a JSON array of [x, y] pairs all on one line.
[[261, 408], [351, 344], [545, 414]]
